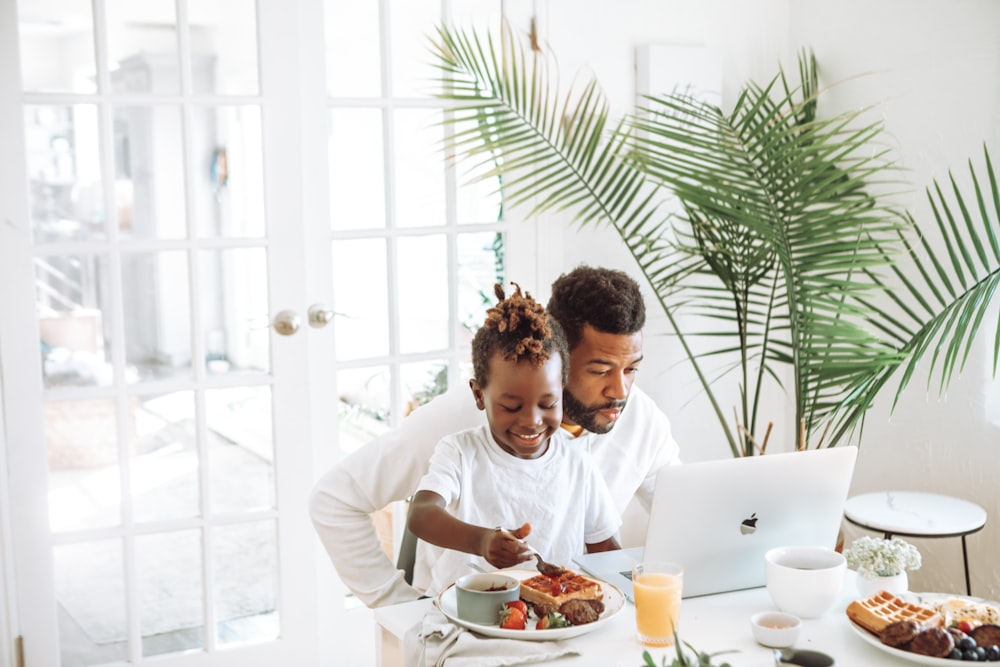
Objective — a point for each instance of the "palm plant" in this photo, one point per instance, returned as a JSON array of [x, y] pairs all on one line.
[[760, 225]]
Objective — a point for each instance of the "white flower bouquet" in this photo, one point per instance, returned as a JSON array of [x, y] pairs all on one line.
[[878, 557]]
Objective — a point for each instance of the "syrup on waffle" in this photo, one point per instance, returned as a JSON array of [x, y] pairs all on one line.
[[556, 590], [876, 612]]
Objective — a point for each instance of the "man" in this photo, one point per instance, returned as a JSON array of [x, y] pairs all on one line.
[[602, 313]]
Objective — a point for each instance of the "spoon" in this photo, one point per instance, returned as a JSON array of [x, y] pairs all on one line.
[[802, 658], [548, 569]]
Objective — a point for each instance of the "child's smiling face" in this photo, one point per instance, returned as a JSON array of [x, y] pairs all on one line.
[[523, 404]]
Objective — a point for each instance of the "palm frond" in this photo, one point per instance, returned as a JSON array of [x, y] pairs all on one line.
[[776, 243], [962, 281]]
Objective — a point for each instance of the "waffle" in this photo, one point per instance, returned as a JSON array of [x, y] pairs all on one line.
[[876, 612], [557, 590]]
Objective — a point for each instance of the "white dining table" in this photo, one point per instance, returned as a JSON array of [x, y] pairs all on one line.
[[710, 623]]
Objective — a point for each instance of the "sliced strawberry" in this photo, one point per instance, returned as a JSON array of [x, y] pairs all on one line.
[[518, 604]]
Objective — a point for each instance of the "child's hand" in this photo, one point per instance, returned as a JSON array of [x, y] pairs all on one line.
[[503, 548]]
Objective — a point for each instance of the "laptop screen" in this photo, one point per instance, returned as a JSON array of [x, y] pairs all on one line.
[[718, 518]]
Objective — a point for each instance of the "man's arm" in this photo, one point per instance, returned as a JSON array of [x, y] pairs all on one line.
[[382, 471], [610, 544]]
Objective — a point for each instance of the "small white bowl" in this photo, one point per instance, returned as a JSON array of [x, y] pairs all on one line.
[[775, 629]]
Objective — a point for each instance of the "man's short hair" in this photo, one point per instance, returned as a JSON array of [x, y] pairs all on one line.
[[606, 299]]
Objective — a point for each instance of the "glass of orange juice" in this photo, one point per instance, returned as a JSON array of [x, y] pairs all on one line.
[[657, 588]]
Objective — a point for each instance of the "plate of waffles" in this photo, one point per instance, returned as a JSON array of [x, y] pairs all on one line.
[[935, 611], [610, 595]]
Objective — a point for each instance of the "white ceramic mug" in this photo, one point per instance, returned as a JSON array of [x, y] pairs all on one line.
[[804, 580]]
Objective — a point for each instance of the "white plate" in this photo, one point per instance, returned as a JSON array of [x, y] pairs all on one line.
[[614, 602], [927, 600]]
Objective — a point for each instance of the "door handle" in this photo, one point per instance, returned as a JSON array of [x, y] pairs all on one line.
[[319, 315], [286, 322]]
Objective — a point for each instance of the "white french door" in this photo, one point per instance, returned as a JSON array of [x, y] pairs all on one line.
[[156, 220], [229, 254]]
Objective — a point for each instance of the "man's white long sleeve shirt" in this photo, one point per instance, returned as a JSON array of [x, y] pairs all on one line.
[[389, 468]]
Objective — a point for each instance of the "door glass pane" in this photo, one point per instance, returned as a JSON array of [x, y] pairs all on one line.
[[232, 304], [361, 296], [90, 589], [149, 172], [477, 200], [364, 405], [353, 56], [423, 381], [224, 45], [64, 172], [81, 441], [169, 588], [228, 175], [57, 46], [240, 449], [245, 559], [411, 22], [163, 470], [419, 169], [357, 169], [423, 297], [157, 315], [142, 46], [480, 267], [71, 292], [486, 14]]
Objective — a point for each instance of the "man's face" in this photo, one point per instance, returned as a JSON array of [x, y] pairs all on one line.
[[523, 404], [602, 368]]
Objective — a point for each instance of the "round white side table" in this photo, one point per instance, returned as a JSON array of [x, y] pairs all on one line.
[[917, 514]]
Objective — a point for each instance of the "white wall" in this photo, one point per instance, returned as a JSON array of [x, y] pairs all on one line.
[[931, 70]]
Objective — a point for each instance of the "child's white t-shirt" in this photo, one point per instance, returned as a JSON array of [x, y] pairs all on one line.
[[561, 494]]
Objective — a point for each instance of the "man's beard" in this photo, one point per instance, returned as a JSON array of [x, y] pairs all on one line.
[[586, 416]]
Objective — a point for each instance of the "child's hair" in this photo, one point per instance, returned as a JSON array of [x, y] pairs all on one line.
[[518, 328]]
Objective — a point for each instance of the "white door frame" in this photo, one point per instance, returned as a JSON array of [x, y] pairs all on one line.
[[291, 137], [23, 421]]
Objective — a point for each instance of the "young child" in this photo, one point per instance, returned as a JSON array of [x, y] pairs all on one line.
[[518, 470]]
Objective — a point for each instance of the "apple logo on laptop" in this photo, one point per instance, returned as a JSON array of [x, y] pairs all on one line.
[[749, 525]]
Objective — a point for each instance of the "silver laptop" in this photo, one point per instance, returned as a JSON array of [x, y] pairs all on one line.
[[718, 518]]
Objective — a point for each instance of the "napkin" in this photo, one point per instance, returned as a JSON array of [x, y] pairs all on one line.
[[437, 642]]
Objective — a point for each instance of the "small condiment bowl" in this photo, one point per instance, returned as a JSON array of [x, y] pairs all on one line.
[[775, 629], [480, 597]]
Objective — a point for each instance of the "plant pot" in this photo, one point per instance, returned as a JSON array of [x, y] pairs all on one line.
[[897, 584]]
